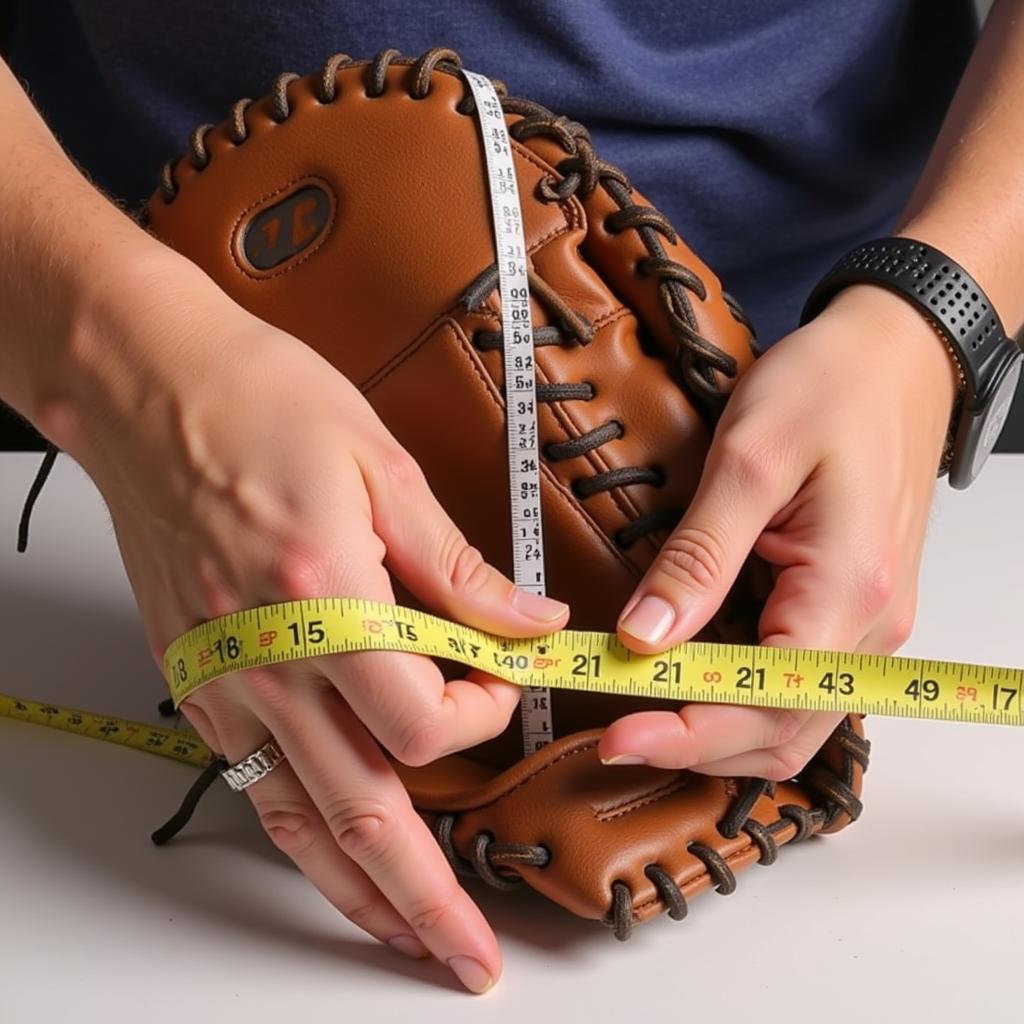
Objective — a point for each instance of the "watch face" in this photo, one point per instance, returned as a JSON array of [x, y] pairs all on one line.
[[999, 408]]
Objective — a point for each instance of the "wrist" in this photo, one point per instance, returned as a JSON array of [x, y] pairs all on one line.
[[956, 305], [893, 331], [113, 357]]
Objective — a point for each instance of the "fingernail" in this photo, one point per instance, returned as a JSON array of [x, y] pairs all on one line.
[[543, 609], [650, 620], [471, 973], [409, 946], [625, 759]]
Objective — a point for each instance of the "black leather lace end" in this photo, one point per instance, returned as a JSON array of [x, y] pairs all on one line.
[[33, 493], [184, 813]]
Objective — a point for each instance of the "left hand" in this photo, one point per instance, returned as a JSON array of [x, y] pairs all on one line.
[[824, 464]]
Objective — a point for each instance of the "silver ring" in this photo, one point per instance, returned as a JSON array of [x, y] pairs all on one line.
[[254, 767]]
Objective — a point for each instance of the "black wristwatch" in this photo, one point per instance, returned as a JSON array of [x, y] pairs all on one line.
[[989, 360]]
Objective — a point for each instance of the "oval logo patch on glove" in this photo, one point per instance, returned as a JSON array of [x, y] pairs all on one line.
[[275, 237]]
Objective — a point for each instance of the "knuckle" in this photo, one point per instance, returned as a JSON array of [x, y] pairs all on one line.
[[900, 628], [753, 462], [693, 555], [421, 742], [787, 724], [463, 565], [290, 829], [426, 917], [782, 765], [364, 913], [298, 574], [363, 828], [686, 743], [399, 468], [877, 587]]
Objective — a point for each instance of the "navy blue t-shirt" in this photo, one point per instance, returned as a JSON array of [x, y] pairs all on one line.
[[775, 135]]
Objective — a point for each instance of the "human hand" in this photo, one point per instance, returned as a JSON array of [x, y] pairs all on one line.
[[824, 464], [241, 469]]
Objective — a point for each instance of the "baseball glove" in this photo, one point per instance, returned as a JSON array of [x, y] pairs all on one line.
[[351, 209]]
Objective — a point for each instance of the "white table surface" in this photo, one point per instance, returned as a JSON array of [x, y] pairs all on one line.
[[916, 909]]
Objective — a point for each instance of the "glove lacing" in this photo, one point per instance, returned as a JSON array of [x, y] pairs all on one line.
[[698, 360], [697, 357], [487, 856]]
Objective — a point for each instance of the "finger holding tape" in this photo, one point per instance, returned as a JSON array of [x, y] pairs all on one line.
[[402, 697]]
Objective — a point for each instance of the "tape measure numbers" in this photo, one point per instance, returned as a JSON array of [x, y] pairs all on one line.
[[153, 739], [519, 375], [595, 662], [803, 680]]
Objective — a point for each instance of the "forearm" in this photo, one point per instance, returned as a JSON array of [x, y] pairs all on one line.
[[68, 258], [969, 201]]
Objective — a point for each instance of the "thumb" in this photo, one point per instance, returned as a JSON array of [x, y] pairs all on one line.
[[741, 489], [428, 552]]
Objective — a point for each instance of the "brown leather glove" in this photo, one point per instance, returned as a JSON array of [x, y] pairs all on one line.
[[350, 208]]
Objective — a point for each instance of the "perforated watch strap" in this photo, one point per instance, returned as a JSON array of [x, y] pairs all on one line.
[[950, 299], [940, 288]]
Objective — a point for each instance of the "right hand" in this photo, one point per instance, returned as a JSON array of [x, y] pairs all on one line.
[[250, 471]]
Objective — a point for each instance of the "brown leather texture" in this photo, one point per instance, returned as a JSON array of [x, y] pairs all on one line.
[[351, 209]]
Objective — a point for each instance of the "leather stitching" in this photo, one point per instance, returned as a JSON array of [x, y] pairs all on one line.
[[572, 208], [636, 803], [536, 773], [561, 492], [287, 265], [618, 495]]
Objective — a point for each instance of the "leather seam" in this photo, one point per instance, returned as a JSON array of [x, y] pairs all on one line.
[[636, 803], [534, 775], [382, 373], [489, 388], [449, 314]]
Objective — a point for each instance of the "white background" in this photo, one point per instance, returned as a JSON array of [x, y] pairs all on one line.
[[916, 909]]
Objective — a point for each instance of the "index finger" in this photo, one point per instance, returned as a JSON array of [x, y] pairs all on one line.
[[401, 697]]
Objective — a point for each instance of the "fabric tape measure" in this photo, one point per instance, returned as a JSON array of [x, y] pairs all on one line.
[[520, 377]]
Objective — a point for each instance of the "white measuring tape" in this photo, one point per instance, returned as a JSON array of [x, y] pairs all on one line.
[[520, 379]]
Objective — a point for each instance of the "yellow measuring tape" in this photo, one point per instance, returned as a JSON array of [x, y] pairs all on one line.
[[804, 680], [173, 743]]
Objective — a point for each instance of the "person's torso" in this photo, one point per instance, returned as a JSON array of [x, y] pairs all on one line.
[[773, 135]]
